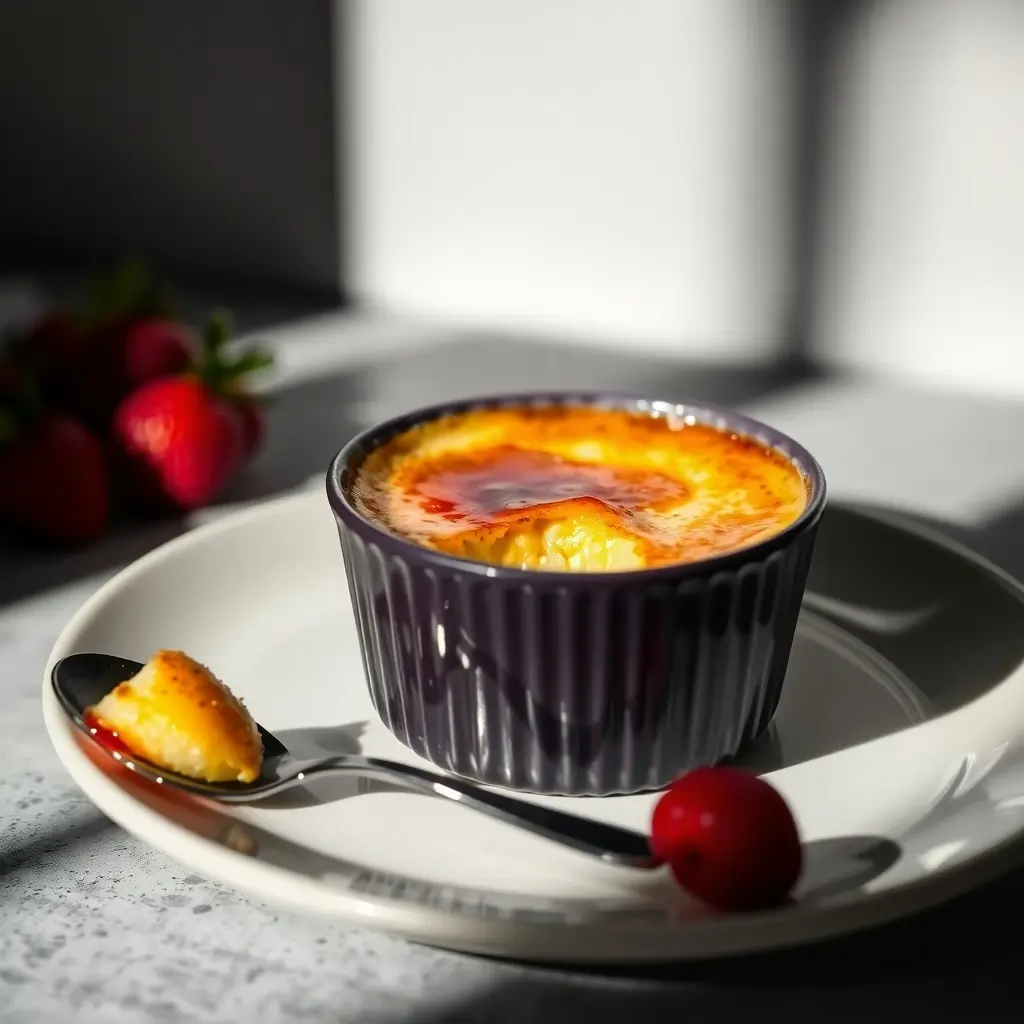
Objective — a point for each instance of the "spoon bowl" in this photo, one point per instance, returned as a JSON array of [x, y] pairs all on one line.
[[80, 681]]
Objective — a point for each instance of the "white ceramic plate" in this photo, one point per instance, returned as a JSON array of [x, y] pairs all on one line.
[[896, 744]]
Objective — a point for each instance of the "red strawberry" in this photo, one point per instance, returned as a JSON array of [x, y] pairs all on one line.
[[53, 481], [156, 348], [182, 442], [88, 360], [254, 424], [112, 360], [181, 438], [88, 380]]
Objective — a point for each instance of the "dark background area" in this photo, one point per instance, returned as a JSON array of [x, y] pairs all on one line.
[[198, 135]]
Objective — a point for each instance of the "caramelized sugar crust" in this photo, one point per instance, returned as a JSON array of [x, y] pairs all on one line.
[[577, 488]]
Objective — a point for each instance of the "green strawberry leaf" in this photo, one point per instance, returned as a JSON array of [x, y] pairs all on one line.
[[223, 372], [250, 361]]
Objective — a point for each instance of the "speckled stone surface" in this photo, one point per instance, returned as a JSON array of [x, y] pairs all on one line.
[[95, 926]]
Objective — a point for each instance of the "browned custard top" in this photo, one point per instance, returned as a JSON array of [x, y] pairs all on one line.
[[577, 488]]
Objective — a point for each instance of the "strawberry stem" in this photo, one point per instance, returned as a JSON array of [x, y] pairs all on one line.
[[222, 372], [218, 329]]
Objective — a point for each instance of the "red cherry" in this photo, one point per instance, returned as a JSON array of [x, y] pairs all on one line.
[[729, 838]]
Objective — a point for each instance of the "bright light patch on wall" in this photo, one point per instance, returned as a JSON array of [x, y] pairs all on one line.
[[589, 171]]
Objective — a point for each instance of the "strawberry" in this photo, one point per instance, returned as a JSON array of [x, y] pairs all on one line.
[[112, 360], [156, 348], [181, 438], [53, 340], [87, 361], [254, 423], [181, 443], [53, 474]]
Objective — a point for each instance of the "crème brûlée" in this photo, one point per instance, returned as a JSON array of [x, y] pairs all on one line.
[[176, 714], [577, 488]]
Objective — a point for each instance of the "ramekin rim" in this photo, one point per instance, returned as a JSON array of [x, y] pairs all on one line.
[[373, 436]]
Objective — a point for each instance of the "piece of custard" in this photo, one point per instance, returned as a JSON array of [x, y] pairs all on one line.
[[571, 488], [177, 715]]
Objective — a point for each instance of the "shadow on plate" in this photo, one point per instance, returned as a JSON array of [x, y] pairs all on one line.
[[949, 627], [835, 868], [321, 741], [843, 864], [895, 629]]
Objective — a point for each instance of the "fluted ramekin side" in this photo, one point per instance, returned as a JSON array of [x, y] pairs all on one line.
[[548, 688]]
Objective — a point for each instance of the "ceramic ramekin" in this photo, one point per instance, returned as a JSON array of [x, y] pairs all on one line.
[[574, 683]]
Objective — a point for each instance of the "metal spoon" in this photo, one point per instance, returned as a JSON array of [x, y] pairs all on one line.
[[82, 680]]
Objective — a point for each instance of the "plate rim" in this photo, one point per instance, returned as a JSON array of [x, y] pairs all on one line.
[[553, 942]]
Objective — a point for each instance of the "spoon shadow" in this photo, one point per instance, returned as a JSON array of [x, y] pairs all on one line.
[[834, 868], [765, 755], [839, 865], [322, 741]]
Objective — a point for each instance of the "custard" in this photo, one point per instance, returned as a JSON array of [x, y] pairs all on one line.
[[573, 488], [177, 715]]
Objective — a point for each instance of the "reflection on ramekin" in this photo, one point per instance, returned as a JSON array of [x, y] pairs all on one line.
[[577, 683]]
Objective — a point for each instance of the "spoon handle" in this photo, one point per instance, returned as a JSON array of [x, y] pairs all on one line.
[[609, 843]]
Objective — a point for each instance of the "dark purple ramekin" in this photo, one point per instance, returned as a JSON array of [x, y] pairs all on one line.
[[583, 684]]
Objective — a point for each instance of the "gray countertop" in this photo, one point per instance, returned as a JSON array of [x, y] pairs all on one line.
[[95, 926]]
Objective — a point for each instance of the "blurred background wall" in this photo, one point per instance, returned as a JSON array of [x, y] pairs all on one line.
[[736, 181], [923, 248], [591, 169]]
